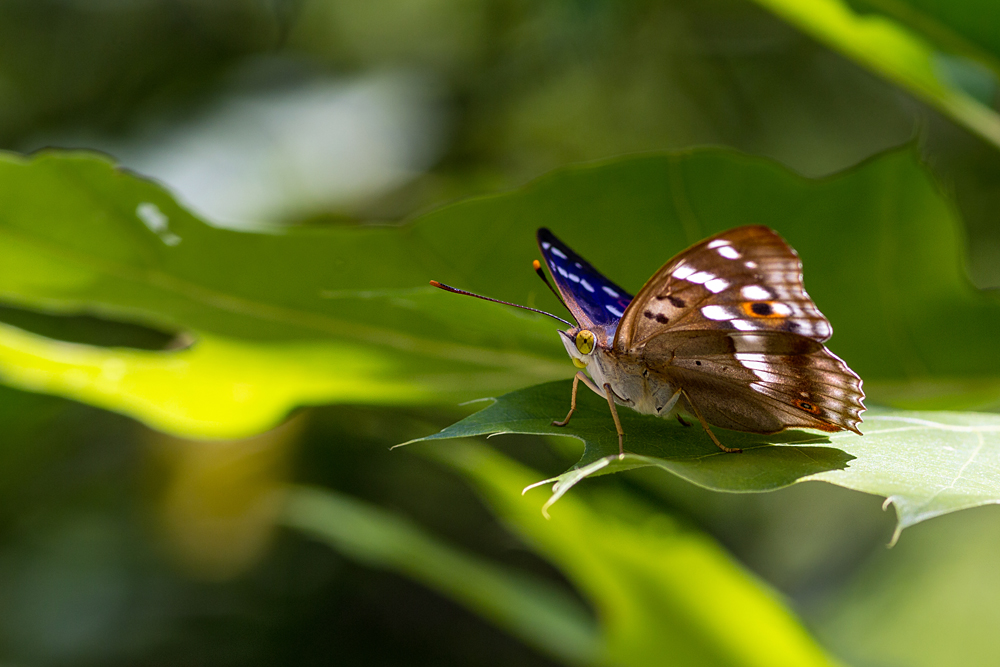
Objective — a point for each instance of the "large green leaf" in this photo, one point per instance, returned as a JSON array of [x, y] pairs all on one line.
[[898, 54], [925, 464], [306, 316], [279, 319]]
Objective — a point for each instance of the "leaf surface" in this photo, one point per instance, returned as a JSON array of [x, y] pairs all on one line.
[[924, 463]]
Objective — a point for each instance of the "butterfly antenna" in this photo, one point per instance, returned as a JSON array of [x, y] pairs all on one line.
[[541, 274], [448, 288]]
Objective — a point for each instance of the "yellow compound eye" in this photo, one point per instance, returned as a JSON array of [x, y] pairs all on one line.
[[586, 341]]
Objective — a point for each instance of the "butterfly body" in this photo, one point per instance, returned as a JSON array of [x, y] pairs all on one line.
[[723, 331], [632, 383]]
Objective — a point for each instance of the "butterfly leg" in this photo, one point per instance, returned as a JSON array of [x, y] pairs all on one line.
[[704, 425], [572, 401], [618, 425], [683, 421]]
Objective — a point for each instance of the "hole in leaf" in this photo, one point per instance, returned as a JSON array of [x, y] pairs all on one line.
[[92, 330]]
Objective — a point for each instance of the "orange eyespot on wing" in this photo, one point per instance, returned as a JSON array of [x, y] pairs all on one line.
[[770, 309], [807, 406]]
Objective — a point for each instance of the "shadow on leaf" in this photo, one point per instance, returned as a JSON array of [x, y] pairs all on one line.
[[768, 462]]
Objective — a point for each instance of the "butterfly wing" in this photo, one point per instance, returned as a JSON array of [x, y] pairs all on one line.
[[593, 299], [744, 279], [759, 382]]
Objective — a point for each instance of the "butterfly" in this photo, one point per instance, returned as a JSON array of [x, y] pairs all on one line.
[[724, 332]]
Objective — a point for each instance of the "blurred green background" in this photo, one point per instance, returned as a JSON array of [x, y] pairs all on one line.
[[121, 545]]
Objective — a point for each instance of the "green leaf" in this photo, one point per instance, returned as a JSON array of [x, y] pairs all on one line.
[[964, 27], [659, 589], [892, 51], [530, 608], [279, 319], [316, 315], [925, 464]]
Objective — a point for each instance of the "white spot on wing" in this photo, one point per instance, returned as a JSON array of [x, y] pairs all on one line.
[[750, 265], [755, 293], [587, 286], [717, 313], [700, 277], [682, 272], [572, 276], [716, 285], [609, 291], [729, 252], [559, 253], [614, 311], [768, 377], [744, 357], [546, 245], [781, 309], [743, 325], [562, 272]]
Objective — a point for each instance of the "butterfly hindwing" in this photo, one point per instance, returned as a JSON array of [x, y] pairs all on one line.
[[593, 299], [759, 382], [745, 279]]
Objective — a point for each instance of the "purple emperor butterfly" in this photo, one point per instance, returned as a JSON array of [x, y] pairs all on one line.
[[724, 332]]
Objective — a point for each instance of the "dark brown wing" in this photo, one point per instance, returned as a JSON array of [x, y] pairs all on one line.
[[759, 382], [745, 279]]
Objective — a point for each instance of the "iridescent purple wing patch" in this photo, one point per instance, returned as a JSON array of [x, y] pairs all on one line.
[[592, 298]]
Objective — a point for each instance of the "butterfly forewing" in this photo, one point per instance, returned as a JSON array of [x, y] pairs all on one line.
[[745, 279], [593, 299]]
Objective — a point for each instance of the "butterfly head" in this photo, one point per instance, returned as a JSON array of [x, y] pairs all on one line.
[[582, 344]]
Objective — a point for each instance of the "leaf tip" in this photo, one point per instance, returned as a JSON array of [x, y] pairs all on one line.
[[404, 444], [899, 523], [537, 484]]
